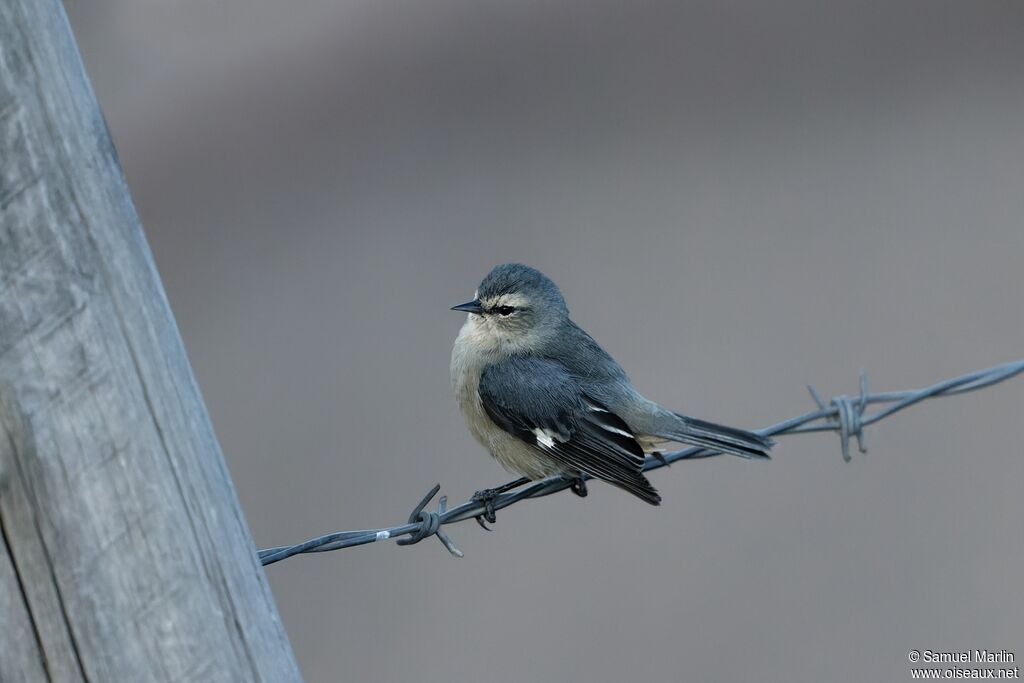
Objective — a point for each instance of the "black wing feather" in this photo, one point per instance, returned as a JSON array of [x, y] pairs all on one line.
[[525, 394]]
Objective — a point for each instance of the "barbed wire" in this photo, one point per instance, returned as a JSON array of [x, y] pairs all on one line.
[[843, 414]]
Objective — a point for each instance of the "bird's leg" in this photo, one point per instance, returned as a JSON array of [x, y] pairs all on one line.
[[657, 455], [579, 487], [488, 496]]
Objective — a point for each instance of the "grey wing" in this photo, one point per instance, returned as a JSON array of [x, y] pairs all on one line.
[[538, 401]]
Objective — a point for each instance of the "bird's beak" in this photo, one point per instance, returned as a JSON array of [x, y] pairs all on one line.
[[470, 307]]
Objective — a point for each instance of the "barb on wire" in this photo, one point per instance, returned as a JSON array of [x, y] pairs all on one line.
[[843, 414]]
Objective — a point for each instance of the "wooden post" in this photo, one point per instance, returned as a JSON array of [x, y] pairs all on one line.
[[123, 553]]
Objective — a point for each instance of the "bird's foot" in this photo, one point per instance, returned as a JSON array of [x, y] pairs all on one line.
[[579, 487], [487, 497], [657, 455]]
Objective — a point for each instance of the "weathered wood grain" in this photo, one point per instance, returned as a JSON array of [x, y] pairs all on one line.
[[123, 553]]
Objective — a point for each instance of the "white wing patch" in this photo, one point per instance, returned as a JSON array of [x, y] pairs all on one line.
[[604, 425], [609, 428], [544, 438]]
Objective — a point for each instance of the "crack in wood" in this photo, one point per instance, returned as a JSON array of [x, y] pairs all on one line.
[[24, 596], [11, 195]]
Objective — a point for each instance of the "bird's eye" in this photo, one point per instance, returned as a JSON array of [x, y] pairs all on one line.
[[505, 310]]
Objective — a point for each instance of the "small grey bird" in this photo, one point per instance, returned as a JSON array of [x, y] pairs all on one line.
[[544, 398]]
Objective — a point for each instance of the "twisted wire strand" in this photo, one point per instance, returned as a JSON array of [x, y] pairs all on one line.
[[843, 414]]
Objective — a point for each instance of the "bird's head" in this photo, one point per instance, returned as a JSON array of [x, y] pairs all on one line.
[[515, 309]]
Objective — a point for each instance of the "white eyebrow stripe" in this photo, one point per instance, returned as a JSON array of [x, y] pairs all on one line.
[[515, 300]]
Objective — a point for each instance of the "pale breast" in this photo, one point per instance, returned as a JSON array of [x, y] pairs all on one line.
[[468, 363], [466, 367]]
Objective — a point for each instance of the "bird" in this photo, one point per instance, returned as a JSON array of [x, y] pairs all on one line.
[[544, 398]]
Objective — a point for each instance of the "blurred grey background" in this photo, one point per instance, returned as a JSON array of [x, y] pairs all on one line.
[[737, 198]]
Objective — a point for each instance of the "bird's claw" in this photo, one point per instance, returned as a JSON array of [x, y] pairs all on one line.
[[579, 487], [487, 497]]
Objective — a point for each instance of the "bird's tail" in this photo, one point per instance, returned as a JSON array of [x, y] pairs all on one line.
[[639, 486], [720, 438]]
